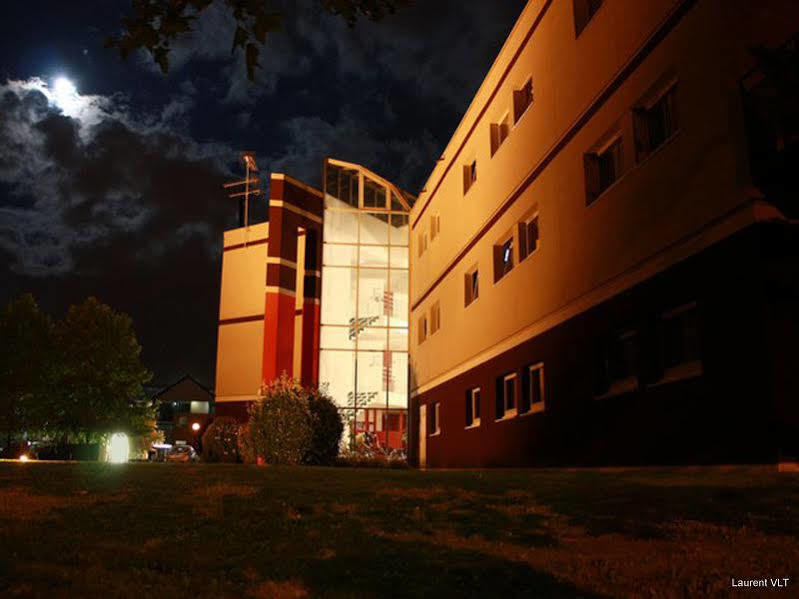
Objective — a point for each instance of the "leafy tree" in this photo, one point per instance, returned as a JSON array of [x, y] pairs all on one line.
[[280, 425], [101, 376], [220, 441], [26, 365], [326, 429], [153, 25]]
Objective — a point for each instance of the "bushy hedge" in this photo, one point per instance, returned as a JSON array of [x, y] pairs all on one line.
[[220, 441], [326, 429], [290, 424]]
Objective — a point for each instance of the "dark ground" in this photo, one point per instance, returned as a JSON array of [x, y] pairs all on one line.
[[196, 530]]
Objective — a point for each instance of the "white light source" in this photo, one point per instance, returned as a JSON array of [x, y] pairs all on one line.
[[23, 457], [65, 96], [118, 448], [195, 427]]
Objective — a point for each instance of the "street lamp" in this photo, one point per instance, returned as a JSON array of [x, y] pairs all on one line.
[[195, 427]]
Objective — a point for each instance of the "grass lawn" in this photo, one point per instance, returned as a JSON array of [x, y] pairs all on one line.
[[195, 530]]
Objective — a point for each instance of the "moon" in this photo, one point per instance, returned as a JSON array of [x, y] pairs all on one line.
[[65, 96]]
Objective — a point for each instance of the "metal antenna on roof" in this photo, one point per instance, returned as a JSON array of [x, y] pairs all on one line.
[[250, 166]]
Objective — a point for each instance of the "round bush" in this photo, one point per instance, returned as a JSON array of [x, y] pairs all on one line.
[[220, 441], [280, 424], [326, 429]]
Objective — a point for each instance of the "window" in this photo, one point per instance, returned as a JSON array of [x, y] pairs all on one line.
[[655, 124], [473, 407], [435, 226], [618, 364], [680, 343], [503, 258], [374, 194], [602, 169], [506, 396], [499, 132], [472, 285], [435, 419], [532, 398], [422, 329], [469, 175], [528, 237], [422, 243], [435, 318], [183, 420], [522, 99], [584, 11]]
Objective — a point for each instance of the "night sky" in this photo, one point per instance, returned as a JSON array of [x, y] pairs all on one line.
[[113, 189]]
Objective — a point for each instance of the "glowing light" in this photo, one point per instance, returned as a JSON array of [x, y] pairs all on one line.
[[195, 427], [66, 96], [118, 448], [23, 457]]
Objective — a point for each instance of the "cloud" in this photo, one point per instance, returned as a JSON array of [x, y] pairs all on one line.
[[79, 176]]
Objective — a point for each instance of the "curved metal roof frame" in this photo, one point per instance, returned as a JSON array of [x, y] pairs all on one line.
[[402, 195]]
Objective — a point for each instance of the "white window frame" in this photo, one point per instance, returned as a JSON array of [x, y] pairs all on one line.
[[509, 413], [475, 421], [469, 288], [535, 408], [435, 318], [437, 415]]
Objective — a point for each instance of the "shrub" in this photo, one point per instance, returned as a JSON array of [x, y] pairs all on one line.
[[280, 423], [245, 445], [326, 429], [220, 441]]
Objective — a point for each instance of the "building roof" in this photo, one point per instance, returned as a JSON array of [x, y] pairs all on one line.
[[186, 389]]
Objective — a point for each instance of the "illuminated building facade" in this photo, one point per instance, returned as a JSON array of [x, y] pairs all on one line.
[[320, 292], [604, 262]]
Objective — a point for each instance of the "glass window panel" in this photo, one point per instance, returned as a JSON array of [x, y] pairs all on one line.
[[399, 257], [337, 370], [374, 255], [341, 226], [374, 194], [396, 204], [338, 295], [374, 228], [370, 374], [399, 229], [373, 302], [398, 295], [398, 339], [339, 255], [373, 338], [336, 337], [398, 388]]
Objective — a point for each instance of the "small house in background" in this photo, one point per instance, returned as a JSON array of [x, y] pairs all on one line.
[[184, 410]]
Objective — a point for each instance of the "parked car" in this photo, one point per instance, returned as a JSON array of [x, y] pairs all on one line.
[[182, 453]]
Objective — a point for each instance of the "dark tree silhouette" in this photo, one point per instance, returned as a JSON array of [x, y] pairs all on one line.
[[154, 24]]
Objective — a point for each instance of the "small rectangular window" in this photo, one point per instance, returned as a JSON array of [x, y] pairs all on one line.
[[374, 194], [421, 243], [422, 334], [506, 396], [473, 407], [584, 11], [435, 226], [503, 258], [469, 175], [528, 237], [472, 286], [680, 341], [435, 318], [532, 399], [522, 99], [655, 124], [435, 419], [602, 169], [499, 133], [618, 364]]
